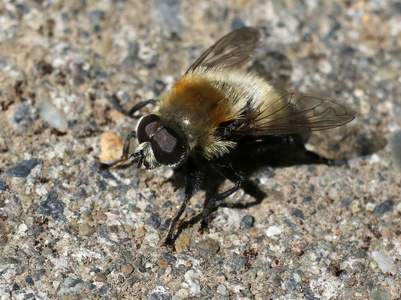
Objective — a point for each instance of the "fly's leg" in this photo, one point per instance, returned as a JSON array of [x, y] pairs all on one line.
[[227, 171], [130, 113], [124, 157], [193, 180]]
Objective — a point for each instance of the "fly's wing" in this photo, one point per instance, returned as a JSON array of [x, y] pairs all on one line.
[[291, 112], [232, 50]]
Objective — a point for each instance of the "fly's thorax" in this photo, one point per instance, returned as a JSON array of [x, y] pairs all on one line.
[[198, 104]]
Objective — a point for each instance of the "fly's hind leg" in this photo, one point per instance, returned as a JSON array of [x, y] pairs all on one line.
[[116, 103], [227, 171]]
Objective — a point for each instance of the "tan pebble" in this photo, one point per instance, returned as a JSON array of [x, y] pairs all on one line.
[[338, 232], [142, 230], [182, 242], [85, 230], [116, 115], [187, 264], [355, 207], [127, 270], [162, 264], [100, 277], [253, 233], [87, 217], [101, 216], [110, 147]]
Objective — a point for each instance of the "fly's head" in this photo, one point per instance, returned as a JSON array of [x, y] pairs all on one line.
[[159, 144]]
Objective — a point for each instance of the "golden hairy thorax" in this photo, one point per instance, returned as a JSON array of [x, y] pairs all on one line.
[[197, 105]]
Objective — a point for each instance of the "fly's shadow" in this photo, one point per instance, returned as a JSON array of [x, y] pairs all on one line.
[[249, 156]]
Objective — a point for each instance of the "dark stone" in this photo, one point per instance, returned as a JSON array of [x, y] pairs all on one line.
[[3, 185], [384, 207], [166, 204], [236, 263], [78, 80], [122, 189], [346, 202], [298, 213], [22, 117], [102, 185], [208, 248], [29, 296], [169, 257], [308, 198], [23, 168], [247, 221], [154, 220], [39, 273], [52, 206], [309, 295], [96, 15], [157, 296], [29, 280], [165, 225]]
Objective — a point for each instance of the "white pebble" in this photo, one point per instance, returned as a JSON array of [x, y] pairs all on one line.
[[370, 207], [384, 262], [22, 227], [40, 191], [273, 230], [53, 115]]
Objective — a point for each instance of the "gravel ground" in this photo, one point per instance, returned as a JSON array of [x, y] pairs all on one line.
[[68, 232]]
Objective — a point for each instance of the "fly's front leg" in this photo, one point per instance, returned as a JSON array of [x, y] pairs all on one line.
[[124, 156], [227, 171], [130, 113], [193, 181]]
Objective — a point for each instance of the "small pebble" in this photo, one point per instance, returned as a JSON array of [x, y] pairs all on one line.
[[154, 220], [3, 185], [85, 230], [208, 247], [182, 242], [272, 231], [370, 207], [355, 207], [23, 168], [21, 116], [384, 207], [100, 277], [236, 263], [152, 238], [52, 115], [247, 221], [298, 213], [380, 295], [95, 15], [52, 206], [384, 262], [110, 147], [127, 270]]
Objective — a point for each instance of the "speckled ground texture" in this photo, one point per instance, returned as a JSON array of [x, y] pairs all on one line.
[[69, 232]]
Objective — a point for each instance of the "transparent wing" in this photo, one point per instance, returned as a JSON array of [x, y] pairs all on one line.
[[293, 113], [232, 50]]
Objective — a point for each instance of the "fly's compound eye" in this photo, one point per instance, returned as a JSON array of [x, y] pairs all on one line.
[[147, 126], [168, 147]]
